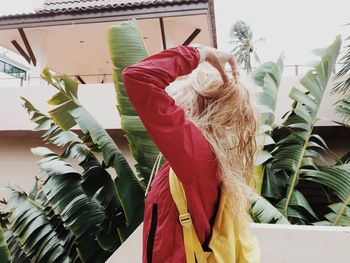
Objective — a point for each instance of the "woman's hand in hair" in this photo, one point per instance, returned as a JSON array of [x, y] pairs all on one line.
[[218, 60]]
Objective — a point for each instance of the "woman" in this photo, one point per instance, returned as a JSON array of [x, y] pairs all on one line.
[[207, 137]]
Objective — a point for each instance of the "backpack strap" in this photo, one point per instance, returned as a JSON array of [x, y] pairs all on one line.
[[191, 242]]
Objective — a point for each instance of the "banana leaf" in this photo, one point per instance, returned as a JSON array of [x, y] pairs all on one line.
[[342, 85], [15, 248], [98, 183], [94, 174], [342, 108], [343, 77], [263, 212], [339, 216], [76, 148], [129, 189], [33, 233], [4, 251], [126, 48], [81, 214], [268, 76], [336, 178], [68, 239]]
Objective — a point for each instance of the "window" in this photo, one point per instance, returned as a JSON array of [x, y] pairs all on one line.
[[12, 70]]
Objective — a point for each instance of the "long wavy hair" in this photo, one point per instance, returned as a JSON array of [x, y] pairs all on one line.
[[227, 117]]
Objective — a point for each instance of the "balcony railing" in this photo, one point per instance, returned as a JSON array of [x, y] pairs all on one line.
[[9, 81], [289, 71]]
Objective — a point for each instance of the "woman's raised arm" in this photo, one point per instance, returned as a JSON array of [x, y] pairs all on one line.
[[179, 140]]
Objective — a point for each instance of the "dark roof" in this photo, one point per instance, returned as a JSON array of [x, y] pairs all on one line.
[[66, 12], [57, 7]]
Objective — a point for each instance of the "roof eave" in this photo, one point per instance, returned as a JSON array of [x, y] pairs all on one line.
[[41, 20]]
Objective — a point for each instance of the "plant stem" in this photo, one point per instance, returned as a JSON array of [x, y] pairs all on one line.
[[292, 186], [341, 211]]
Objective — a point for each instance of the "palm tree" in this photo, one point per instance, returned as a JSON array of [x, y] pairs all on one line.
[[243, 44]]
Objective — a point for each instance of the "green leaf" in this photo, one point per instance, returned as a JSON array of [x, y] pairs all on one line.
[[4, 251], [311, 83], [299, 200], [58, 99], [126, 48], [343, 108], [274, 183], [98, 183], [263, 212], [71, 87], [33, 230], [262, 157], [129, 189], [267, 76], [61, 115], [341, 215], [15, 248], [81, 214], [301, 97], [336, 178]]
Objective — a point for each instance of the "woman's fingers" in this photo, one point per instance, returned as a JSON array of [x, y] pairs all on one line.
[[234, 67], [226, 57], [216, 61], [222, 72]]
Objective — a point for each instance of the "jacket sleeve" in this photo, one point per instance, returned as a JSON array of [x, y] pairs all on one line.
[[179, 140]]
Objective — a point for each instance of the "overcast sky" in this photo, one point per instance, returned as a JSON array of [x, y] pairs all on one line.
[[294, 27]]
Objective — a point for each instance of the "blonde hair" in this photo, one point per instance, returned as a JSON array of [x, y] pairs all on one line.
[[226, 115]]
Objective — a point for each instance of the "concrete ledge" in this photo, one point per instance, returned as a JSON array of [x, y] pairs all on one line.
[[279, 244], [299, 244]]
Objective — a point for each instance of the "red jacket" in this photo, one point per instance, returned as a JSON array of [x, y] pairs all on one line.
[[185, 149]]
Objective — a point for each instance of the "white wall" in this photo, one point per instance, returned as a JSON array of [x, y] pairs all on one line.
[[99, 99], [19, 166], [284, 103], [278, 244]]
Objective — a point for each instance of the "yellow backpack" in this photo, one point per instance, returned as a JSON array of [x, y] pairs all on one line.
[[225, 243]]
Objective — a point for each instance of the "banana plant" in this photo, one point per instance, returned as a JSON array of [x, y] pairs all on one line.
[[95, 178], [126, 48], [115, 217], [57, 211], [82, 215], [69, 112], [296, 152]]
